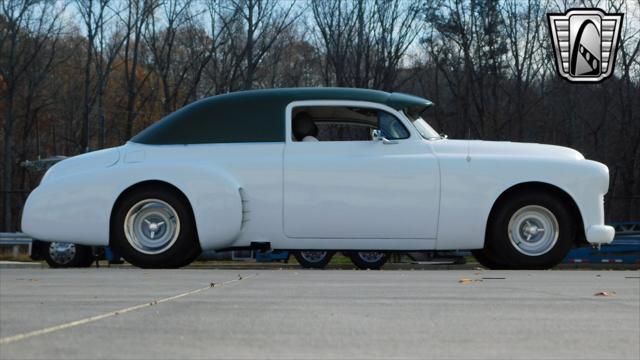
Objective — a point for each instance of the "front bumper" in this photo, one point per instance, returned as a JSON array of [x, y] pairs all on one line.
[[600, 234]]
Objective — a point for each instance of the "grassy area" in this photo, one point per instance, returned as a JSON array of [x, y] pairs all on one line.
[[338, 259]]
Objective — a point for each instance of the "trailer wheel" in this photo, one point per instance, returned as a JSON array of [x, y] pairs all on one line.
[[368, 260], [313, 259], [67, 255]]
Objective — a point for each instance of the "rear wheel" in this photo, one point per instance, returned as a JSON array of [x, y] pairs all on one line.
[[67, 255], [533, 230], [154, 228], [372, 260], [313, 259]]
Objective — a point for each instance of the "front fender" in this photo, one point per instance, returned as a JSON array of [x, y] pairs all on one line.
[[471, 187]]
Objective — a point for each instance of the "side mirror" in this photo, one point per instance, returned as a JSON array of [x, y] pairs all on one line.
[[377, 135]]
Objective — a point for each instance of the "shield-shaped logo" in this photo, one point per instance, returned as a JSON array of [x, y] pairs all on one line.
[[585, 42]]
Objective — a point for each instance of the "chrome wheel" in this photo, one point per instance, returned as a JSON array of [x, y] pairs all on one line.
[[62, 253], [152, 226], [371, 256], [533, 230], [313, 256]]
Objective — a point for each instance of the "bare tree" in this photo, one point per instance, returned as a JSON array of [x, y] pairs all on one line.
[[261, 23], [398, 27], [292, 62], [181, 50], [629, 95], [524, 27], [336, 22], [365, 40], [100, 53], [139, 13], [28, 34], [461, 31]]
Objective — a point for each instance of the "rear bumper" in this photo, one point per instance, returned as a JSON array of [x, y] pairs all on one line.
[[600, 234], [67, 210]]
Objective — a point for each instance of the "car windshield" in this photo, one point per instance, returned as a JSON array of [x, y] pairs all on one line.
[[423, 127]]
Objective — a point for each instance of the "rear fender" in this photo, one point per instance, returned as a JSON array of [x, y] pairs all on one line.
[[213, 194]]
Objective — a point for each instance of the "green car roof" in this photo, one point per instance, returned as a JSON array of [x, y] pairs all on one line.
[[254, 116]]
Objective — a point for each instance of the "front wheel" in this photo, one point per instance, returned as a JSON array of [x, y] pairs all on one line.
[[485, 258], [368, 260], [313, 259], [154, 228], [533, 230]]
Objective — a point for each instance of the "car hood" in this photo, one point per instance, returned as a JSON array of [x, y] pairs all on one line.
[[508, 148], [505, 148]]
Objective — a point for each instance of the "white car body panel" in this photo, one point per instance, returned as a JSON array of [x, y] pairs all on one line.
[[414, 195], [468, 166], [326, 183]]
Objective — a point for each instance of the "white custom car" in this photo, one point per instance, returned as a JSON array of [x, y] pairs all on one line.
[[316, 171]]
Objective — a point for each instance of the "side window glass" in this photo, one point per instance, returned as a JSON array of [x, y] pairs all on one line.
[[391, 127], [343, 132], [342, 123]]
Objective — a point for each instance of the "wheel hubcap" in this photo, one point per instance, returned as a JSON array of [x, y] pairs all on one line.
[[62, 253], [313, 256], [152, 226], [371, 256], [533, 230]]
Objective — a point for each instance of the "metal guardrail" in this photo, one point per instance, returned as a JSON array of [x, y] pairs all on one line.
[[16, 240], [7, 238]]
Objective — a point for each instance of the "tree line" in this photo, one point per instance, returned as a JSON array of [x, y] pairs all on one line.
[[81, 75]]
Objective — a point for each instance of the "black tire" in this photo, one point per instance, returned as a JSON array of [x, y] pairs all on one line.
[[180, 253], [308, 262], [359, 259], [503, 250], [485, 259], [189, 260], [73, 256]]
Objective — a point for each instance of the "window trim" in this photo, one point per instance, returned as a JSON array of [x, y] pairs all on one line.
[[346, 103]]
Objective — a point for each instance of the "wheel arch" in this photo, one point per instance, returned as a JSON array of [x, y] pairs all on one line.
[[543, 187], [145, 184]]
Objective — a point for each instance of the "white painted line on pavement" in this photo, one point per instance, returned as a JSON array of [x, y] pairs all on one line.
[[30, 334]]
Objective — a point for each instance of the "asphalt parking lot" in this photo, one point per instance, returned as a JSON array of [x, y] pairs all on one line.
[[205, 313]]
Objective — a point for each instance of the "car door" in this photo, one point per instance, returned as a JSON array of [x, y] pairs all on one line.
[[361, 189]]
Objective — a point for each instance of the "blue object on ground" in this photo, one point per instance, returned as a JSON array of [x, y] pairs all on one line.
[[625, 248], [269, 256], [111, 256]]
